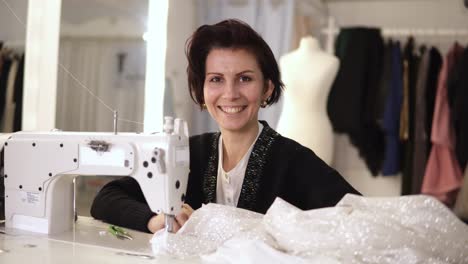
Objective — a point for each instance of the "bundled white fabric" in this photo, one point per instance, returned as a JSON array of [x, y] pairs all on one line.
[[245, 251], [207, 229], [409, 229]]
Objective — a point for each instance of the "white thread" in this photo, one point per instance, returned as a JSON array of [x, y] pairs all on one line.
[[84, 86], [130, 121], [73, 76]]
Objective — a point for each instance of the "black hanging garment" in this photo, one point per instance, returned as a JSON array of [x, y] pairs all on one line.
[[4, 82], [412, 61], [352, 102], [2, 187], [18, 95], [457, 85], [431, 90]]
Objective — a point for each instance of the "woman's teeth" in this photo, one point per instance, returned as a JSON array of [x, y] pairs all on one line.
[[232, 109]]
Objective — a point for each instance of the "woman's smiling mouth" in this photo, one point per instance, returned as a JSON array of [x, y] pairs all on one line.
[[231, 109]]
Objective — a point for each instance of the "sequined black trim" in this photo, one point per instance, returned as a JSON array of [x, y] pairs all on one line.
[[211, 173], [255, 167], [253, 172]]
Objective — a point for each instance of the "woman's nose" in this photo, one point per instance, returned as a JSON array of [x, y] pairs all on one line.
[[231, 91]]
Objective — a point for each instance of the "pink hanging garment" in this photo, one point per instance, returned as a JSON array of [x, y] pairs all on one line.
[[443, 176]]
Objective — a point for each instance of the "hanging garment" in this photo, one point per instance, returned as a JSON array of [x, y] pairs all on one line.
[[425, 100], [2, 185], [352, 102], [458, 96], [461, 205], [18, 96], [431, 90], [404, 113], [407, 146], [385, 82], [1, 60], [9, 113], [420, 135], [4, 81], [443, 175], [391, 164]]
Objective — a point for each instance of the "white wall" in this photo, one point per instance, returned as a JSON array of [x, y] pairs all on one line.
[[181, 24], [412, 14], [79, 11], [11, 29], [109, 18]]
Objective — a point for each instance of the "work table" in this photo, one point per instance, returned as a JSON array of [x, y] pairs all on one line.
[[88, 242]]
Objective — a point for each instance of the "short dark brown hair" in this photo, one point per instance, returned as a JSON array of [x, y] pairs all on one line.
[[232, 34]]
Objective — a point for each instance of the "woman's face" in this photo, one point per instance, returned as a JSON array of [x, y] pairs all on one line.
[[234, 88]]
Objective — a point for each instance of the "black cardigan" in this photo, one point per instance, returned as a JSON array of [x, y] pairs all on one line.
[[278, 166]]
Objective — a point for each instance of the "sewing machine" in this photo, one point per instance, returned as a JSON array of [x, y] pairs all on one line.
[[40, 168]]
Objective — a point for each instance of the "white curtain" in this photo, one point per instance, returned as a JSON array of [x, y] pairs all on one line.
[[272, 19], [114, 70]]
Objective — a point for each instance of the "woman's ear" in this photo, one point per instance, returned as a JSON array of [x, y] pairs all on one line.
[[269, 87]]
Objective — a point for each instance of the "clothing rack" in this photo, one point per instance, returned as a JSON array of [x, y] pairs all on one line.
[[332, 30], [443, 32]]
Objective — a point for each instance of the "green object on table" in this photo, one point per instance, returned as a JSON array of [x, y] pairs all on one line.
[[119, 232]]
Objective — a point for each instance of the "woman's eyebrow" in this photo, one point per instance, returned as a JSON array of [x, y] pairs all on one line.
[[219, 73], [216, 73], [246, 71]]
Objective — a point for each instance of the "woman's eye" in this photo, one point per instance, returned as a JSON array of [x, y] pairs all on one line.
[[215, 79], [245, 79]]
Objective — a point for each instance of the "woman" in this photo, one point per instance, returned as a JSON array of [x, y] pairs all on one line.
[[232, 73]]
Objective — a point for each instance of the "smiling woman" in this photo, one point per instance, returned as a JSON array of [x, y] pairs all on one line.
[[234, 89], [232, 73]]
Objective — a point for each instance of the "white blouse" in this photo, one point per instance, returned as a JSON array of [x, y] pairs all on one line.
[[229, 184]]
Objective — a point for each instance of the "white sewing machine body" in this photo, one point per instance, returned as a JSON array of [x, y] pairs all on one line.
[[40, 168]]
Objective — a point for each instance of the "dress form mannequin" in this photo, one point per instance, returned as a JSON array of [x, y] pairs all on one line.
[[308, 74]]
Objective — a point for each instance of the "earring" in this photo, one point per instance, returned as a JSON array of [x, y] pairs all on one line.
[[203, 106], [264, 104]]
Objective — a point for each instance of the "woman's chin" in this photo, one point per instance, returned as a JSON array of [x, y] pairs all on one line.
[[234, 125]]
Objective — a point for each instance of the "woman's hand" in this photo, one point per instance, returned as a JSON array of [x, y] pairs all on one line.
[[183, 216], [157, 222]]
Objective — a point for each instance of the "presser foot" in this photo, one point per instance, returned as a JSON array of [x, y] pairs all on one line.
[[169, 222]]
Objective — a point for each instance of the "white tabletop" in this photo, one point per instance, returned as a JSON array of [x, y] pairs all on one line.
[[87, 243]]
